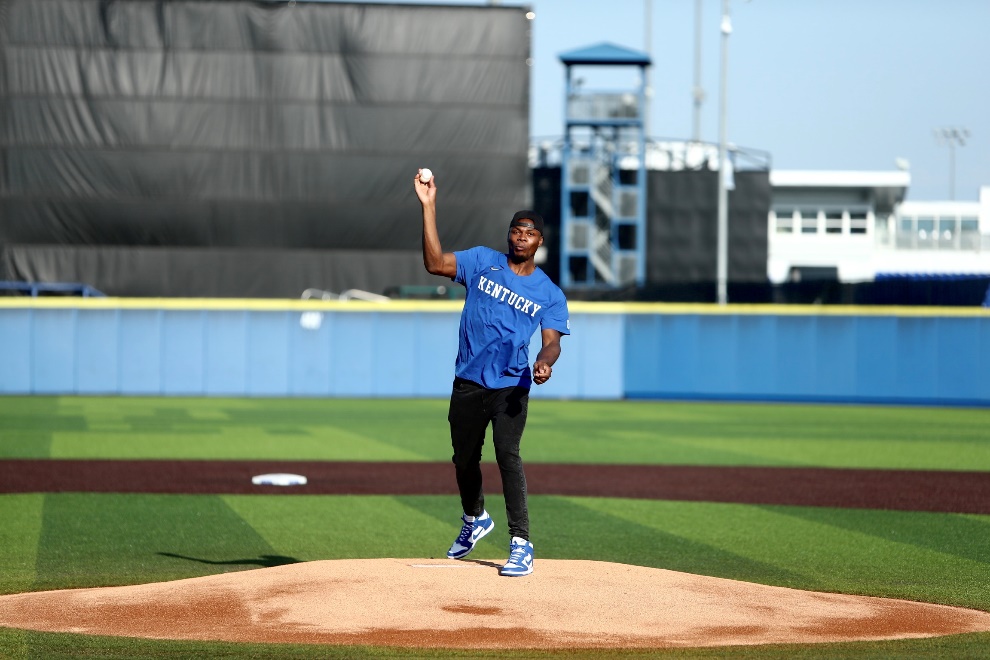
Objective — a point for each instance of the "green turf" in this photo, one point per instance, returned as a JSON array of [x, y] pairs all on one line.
[[20, 530], [61, 540], [91, 539], [558, 431], [26, 645]]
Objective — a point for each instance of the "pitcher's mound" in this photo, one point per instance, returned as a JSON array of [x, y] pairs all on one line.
[[466, 604]]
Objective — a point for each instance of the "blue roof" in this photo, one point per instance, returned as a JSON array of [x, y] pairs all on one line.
[[605, 53]]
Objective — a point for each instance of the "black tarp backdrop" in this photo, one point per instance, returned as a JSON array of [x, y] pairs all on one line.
[[253, 149], [682, 236]]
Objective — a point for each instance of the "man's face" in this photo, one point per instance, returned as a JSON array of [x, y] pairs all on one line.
[[523, 243]]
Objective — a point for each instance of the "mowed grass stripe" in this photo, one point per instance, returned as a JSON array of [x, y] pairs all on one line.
[[105, 539], [324, 443], [869, 552], [755, 434], [314, 527], [91, 540], [572, 528], [636, 432], [20, 532]]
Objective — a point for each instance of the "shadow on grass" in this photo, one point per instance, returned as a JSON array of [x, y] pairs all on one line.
[[264, 561]]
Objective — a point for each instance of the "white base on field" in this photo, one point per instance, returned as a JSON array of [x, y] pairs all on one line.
[[279, 479]]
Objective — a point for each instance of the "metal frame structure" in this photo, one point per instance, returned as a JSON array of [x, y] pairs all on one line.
[[603, 175]]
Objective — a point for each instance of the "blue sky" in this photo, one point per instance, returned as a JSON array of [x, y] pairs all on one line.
[[820, 84]]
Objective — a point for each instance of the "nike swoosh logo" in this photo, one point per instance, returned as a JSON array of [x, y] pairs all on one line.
[[496, 268]]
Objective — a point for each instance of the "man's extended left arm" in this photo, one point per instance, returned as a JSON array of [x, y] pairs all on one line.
[[543, 367]]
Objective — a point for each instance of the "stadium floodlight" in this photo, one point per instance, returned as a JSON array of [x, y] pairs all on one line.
[[952, 136]]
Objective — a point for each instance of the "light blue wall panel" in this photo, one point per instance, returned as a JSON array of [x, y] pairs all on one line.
[[797, 356], [591, 363], [435, 354], [679, 346], [53, 351], [716, 368], [906, 358], [393, 360], [641, 360], [226, 353], [957, 343], [836, 348], [16, 362], [982, 360], [309, 355], [268, 354], [352, 343], [876, 358], [915, 358], [140, 362], [183, 352], [598, 349], [756, 355], [97, 351]]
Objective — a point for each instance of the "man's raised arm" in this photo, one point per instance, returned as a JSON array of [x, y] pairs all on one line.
[[435, 259]]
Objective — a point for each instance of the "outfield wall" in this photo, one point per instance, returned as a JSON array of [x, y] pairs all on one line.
[[199, 347]]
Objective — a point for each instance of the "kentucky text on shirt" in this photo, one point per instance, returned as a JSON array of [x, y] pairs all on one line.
[[508, 297]]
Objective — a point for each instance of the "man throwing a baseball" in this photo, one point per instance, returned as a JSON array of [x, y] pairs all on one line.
[[508, 297]]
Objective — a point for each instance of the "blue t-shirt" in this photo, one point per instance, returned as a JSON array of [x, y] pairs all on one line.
[[501, 312]]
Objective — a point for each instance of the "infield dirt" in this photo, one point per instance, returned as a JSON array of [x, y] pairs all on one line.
[[466, 604]]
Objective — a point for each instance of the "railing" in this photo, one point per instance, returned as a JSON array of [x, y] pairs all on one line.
[[350, 294], [35, 288], [583, 107], [661, 154]]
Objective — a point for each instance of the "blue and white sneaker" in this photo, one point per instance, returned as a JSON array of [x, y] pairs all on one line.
[[472, 532], [520, 558]]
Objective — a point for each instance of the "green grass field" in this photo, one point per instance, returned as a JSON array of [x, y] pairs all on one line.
[[63, 540]]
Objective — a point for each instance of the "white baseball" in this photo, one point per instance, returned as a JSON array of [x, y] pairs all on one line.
[[425, 175]]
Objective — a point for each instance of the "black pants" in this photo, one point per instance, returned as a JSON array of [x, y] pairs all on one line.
[[472, 409]]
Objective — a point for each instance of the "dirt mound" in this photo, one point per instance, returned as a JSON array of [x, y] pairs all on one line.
[[466, 604]]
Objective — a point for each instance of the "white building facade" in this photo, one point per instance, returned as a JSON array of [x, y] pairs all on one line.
[[857, 226]]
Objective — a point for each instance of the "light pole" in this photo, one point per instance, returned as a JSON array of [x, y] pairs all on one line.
[[648, 43], [952, 136], [698, 92], [723, 164]]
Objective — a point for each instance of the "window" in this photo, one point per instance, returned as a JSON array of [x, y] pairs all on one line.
[[579, 236], [579, 204], [969, 233], [784, 221], [809, 221], [580, 173], [858, 222], [906, 236], [626, 236], [578, 268], [628, 203], [946, 232], [833, 222], [926, 231]]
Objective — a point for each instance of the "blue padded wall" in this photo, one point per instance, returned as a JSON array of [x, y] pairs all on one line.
[[228, 348]]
